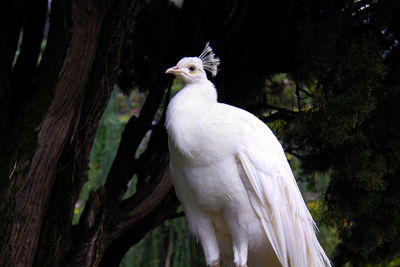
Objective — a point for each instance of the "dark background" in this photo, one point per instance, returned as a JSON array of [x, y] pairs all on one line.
[[338, 118]]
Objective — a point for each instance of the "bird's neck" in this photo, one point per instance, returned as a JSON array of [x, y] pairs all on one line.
[[194, 99], [187, 112], [200, 92]]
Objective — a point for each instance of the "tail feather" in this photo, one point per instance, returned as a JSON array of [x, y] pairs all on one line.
[[285, 218]]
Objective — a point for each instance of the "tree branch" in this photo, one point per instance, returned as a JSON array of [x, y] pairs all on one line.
[[124, 164], [177, 215], [123, 167], [279, 115], [139, 205], [158, 214]]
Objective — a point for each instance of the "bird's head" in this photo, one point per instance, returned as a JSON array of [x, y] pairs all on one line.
[[192, 69], [189, 70]]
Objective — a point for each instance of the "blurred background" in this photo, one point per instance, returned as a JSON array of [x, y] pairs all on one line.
[[323, 75]]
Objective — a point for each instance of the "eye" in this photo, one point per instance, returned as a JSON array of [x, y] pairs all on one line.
[[192, 68]]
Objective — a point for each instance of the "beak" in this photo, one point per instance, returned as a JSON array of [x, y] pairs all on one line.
[[174, 70]]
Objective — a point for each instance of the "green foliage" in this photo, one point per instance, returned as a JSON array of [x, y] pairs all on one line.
[[393, 263], [281, 91], [369, 217], [349, 126], [170, 244], [349, 98], [119, 109], [327, 234], [105, 146]]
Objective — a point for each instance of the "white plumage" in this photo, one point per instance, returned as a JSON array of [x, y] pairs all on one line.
[[231, 174]]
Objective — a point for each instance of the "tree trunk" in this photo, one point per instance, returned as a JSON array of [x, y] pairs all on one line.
[[51, 112]]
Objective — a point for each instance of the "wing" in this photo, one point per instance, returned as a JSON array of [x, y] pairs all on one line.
[[276, 198]]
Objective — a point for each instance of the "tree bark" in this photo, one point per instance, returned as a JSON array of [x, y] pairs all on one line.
[[46, 149]]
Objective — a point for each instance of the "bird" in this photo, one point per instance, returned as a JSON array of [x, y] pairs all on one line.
[[231, 174]]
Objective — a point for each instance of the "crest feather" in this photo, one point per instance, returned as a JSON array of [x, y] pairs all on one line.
[[209, 60]]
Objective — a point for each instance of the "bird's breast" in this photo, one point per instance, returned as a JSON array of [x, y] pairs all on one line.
[[208, 187], [203, 141], [197, 136]]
